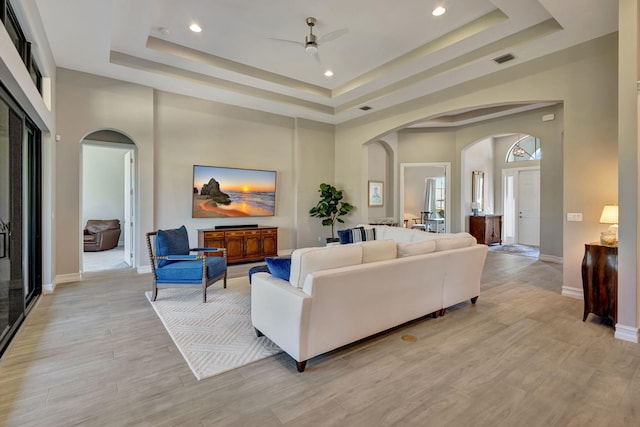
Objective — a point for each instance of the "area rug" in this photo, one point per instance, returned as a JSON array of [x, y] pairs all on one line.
[[216, 336], [522, 250]]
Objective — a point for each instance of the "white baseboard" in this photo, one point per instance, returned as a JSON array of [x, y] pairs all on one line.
[[551, 258], [568, 291], [144, 269], [48, 288], [626, 333], [67, 278]]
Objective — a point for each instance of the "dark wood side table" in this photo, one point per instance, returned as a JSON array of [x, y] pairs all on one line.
[[487, 229], [600, 281]]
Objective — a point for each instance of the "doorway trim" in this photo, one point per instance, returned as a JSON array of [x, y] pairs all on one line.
[[447, 177], [126, 143]]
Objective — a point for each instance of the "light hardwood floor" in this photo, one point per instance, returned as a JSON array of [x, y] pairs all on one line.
[[94, 353]]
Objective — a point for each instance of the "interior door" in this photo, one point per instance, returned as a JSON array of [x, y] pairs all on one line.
[[529, 207], [129, 206]]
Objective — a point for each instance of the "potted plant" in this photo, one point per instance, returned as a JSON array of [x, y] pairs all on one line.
[[330, 208]]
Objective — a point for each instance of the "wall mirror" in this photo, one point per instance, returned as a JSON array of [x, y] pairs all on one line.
[[477, 190]]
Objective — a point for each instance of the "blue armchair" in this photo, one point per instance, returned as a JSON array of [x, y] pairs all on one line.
[[173, 264]]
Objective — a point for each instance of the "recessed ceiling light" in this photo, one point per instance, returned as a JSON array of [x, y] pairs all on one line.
[[328, 73], [438, 11], [195, 28]]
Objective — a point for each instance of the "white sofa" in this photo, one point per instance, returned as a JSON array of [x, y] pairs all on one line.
[[337, 295]]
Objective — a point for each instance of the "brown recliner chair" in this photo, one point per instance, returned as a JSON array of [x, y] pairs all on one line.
[[101, 234]]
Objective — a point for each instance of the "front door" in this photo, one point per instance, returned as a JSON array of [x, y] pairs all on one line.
[[529, 207]]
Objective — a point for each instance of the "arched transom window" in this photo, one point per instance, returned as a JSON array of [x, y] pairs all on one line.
[[525, 148]]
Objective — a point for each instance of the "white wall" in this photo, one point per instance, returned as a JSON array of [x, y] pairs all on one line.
[[103, 183]]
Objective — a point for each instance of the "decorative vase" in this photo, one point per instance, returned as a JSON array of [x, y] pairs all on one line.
[[608, 238]]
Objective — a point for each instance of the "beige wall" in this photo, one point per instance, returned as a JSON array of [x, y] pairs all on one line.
[[478, 156], [87, 103], [379, 162], [174, 132], [313, 154], [583, 77], [629, 164], [192, 131]]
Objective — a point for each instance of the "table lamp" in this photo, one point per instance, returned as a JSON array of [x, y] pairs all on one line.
[[609, 216]]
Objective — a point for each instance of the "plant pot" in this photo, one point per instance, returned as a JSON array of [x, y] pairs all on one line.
[[332, 239]]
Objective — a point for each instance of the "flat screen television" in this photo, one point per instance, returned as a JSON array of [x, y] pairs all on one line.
[[220, 192]]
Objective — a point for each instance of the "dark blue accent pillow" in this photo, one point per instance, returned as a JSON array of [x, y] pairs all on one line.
[[345, 236], [257, 269], [171, 242], [279, 267]]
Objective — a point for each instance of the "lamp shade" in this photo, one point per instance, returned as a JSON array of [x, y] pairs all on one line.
[[609, 214]]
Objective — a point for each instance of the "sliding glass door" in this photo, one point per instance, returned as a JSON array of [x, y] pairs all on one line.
[[5, 214], [20, 217]]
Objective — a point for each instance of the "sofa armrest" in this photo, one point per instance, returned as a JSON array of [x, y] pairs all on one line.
[[281, 312], [108, 239]]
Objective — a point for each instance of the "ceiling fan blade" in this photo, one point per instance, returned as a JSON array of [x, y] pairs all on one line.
[[332, 35], [316, 56], [287, 41]]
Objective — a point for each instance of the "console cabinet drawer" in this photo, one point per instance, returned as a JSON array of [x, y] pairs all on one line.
[[242, 244]]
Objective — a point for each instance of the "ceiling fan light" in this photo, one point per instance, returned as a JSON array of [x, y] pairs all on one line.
[[439, 11], [195, 28], [311, 47], [328, 73]]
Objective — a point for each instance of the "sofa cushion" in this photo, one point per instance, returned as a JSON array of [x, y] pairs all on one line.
[[455, 241], [97, 225], [309, 260], [279, 267], [171, 242], [378, 250], [399, 234], [190, 272], [416, 248]]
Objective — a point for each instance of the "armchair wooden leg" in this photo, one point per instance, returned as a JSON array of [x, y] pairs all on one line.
[[258, 333], [225, 279], [474, 299], [154, 292], [301, 365]]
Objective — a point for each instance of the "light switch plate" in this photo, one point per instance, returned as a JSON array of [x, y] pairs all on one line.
[[574, 216]]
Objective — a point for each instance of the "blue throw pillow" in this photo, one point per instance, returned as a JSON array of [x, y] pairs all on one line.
[[279, 267], [171, 242], [345, 236], [357, 234]]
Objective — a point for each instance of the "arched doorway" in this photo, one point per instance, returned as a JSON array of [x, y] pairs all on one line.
[[510, 166], [108, 200]]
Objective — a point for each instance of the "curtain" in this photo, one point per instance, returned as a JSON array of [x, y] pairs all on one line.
[[430, 198]]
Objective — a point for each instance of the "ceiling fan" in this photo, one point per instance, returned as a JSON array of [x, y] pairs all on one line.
[[311, 41]]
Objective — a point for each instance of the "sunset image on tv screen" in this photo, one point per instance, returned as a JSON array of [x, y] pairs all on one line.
[[229, 192]]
